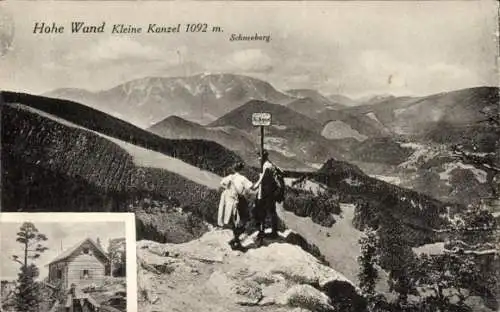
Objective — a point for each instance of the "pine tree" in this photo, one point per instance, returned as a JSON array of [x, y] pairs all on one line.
[[27, 293], [368, 273], [476, 229], [397, 257], [117, 253], [98, 242], [368, 261], [466, 266], [472, 250]]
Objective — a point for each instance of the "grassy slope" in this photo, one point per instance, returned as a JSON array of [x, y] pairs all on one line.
[[203, 154], [339, 243], [49, 165]]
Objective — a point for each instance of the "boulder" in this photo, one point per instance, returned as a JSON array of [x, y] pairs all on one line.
[[307, 297], [209, 248], [206, 274], [292, 263]]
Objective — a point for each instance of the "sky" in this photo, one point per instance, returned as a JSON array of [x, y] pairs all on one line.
[[351, 48], [59, 234]]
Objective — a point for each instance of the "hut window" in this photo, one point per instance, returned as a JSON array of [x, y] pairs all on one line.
[[85, 274], [86, 250], [59, 274]]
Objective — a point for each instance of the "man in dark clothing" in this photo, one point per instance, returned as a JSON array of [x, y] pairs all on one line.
[[266, 202]]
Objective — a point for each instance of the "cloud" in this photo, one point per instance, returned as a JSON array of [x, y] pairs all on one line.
[[117, 49], [249, 61], [380, 71], [448, 71], [116, 60]]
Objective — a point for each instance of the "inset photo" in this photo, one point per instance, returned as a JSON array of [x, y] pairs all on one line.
[[58, 262]]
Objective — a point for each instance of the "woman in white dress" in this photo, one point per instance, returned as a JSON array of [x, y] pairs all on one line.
[[233, 206]]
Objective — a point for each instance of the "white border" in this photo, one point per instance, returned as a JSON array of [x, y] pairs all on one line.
[[76, 217]]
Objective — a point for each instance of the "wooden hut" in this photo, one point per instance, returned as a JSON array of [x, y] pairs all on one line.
[[82, 265]]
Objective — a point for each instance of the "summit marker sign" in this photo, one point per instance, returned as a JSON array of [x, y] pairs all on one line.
[[261, 119]]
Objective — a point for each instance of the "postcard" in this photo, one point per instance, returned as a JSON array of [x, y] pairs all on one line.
[[275, 155], [61, 261]]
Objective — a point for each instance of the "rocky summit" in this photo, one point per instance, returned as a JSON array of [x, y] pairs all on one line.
[[207, 275]]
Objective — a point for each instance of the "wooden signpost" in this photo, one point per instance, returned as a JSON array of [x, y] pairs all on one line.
[[262, 120]]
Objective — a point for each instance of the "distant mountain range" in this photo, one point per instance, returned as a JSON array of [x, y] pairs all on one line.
[[442, 117], [374, 99], [382, 133], [342, 100], [205, 98], [311, 101], [201, 98]]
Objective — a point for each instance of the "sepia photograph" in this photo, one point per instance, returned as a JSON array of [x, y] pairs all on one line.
[[67, 262], [281, 156]]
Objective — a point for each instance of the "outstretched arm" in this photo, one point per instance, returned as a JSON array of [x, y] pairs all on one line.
[[248, 187], [257, 184], [261, 177]]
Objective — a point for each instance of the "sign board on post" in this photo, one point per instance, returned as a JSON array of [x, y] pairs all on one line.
[[262, 120]]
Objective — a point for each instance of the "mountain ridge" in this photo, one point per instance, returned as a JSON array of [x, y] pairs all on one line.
[[284, 144], [201, 98], [282, 116]]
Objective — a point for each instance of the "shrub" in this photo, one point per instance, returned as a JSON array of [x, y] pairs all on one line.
[[365, 215], [320, 208]]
